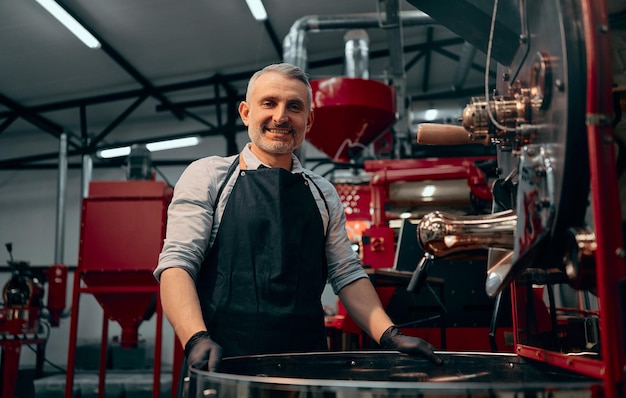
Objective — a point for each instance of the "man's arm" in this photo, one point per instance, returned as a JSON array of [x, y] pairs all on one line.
[[181, 306], [364, 306]]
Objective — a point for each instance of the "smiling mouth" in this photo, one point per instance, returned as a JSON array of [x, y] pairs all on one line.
[[278, 131]]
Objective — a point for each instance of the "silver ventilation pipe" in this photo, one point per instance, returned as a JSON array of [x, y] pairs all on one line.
[[357, 47], [295, 43], [59, 243], [465, 63]]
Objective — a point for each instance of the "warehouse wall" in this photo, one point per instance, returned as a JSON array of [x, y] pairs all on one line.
[[28, 211]]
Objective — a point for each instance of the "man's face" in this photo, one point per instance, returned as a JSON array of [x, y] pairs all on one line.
[[277, 113]]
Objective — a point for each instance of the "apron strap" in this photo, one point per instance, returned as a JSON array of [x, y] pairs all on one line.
[[230, 172]]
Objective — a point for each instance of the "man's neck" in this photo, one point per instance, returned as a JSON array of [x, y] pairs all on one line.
[[272, 160]]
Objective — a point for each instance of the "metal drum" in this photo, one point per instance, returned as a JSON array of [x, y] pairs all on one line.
[[375, 374]]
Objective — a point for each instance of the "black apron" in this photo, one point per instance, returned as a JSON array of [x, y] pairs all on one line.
[[261, 283]]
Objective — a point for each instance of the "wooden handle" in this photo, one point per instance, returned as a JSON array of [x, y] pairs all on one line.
[[442, 134]]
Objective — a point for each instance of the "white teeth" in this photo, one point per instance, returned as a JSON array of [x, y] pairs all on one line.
[[274, 131]]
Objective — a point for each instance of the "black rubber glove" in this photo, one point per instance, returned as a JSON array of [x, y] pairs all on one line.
[[393, 339], [203, 353]]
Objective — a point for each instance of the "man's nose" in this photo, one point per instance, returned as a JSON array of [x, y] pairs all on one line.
[[280, 114]]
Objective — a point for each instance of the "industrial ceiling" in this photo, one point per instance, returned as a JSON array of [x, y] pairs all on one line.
[[170, 68]]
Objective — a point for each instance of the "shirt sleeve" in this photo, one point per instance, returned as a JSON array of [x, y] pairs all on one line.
[[190, 218], [344, 266]]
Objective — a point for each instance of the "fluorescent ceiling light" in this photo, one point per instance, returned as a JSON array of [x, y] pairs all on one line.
[[171, 144], [114, 152], [70, 23], [257, 9], [152, 147], [431, 114]]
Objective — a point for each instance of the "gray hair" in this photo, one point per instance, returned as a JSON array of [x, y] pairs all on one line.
[[286, 70]]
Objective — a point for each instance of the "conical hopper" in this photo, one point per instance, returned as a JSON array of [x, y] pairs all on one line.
[[128, 308], [350, 113]]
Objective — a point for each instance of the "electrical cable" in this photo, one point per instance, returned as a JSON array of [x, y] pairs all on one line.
[[488, 65], [47, 336]]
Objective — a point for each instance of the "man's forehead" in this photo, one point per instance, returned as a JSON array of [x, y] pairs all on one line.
[[277, 80], [280, 87]]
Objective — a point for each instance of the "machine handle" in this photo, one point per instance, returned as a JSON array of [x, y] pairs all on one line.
[[442, 134], [420, 274]]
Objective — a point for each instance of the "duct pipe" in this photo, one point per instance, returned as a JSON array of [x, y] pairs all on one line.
[[61, 195], [357, 54], [467, 56], [294, 44], [86, 171], [396, 57]]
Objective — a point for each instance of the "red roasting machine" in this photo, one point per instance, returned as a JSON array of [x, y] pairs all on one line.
[[25, 313]]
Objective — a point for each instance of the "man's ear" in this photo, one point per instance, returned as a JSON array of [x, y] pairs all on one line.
[[309, 121], [244, 112]]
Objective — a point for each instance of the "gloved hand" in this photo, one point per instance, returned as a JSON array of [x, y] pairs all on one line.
[[393, 339], [203, 353]]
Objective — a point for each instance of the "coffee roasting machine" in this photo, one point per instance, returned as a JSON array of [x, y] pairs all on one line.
[[553, 236], [33, 302]]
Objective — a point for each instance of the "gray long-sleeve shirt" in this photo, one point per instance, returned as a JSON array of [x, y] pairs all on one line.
[[193, 219]]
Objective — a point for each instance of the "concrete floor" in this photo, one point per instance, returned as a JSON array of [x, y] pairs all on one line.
[[118, 384]]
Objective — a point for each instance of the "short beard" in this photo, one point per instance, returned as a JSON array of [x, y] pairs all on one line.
[[275, 147]]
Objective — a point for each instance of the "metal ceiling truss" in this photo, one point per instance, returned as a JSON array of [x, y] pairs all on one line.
[[224, 103]]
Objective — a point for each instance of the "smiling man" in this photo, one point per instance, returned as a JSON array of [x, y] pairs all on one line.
[[278, 114], [252, 239]]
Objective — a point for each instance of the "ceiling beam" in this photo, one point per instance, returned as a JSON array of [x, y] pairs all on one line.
[[35, 119], [125, 64], [427, 58], [276, 42]]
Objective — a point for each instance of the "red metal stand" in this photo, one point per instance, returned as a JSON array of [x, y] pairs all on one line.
[[78, 289], [10, 361]]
